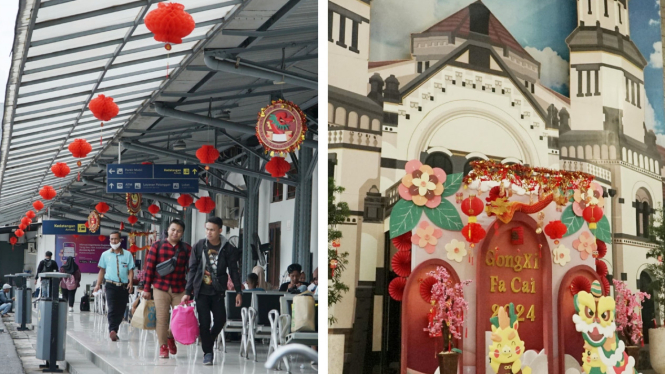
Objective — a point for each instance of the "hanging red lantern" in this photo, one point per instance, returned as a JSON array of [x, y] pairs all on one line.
[[19, 233], [580, 283], [153, 209], [102, 208], [472, 206], [278, 167], [207, 154], [185, 200], [601, 268], [205, 204], [104, 109], [396, 288], [22, 226], [169, 23], [122, 225], [401, 263], [556, 230], [101, 238], [592, 214], [47, 192], [473, 233], [132, 220], [13, 241], [30, 214], [403, 242], [426, 288], [60, 170], [38, 205], [26, 221], [79, 149]]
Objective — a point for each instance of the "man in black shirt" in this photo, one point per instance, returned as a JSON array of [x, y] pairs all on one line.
[[294, 274], [46, 265]]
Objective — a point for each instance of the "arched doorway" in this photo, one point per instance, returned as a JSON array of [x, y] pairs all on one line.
[[648, 306]]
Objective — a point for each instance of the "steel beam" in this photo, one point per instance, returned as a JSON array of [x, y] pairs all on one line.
[[227, 51], [238, 96], [163, 199], [227, 65], [209, 93], [272, 33], [77, 214], [302, 225], [251, 224], [122, 215], [240, 195]]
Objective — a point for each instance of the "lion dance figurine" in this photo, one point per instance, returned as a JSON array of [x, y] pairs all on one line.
[[507, 347], [603, 351]]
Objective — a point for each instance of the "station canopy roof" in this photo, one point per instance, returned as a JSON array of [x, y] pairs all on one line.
[[66, 52]]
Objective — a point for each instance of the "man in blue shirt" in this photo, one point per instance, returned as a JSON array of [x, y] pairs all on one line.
[[116, 267]]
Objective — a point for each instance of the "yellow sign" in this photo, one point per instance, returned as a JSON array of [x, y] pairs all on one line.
[[81, 228]]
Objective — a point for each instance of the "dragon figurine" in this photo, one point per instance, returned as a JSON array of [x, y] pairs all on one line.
[[507, 347], [279, 124]]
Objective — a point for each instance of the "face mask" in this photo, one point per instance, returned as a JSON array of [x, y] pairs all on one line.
[[115, 246]]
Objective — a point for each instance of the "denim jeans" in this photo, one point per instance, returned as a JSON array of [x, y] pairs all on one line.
[[5, 308]]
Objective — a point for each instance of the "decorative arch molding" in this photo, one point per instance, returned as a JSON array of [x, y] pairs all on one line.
[[643, 268], [477, 154], [439, 149], [444, 113], [646, 187], [511, 159]]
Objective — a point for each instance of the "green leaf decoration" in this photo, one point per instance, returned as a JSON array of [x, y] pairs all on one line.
[[572, 221], [603, 231], [452, 185], [445, 216], [404, 217]]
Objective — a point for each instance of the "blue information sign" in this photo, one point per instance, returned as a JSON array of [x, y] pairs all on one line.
[[64, 227], [139, 178]]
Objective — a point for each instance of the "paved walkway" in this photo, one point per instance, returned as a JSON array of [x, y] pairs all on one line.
[[11, 363], [21, 351]]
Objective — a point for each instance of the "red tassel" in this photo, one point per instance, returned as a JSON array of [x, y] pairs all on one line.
[[466, 332], [472, 261]]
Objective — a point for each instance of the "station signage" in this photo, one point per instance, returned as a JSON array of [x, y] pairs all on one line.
[[64, 227], [152, 178]]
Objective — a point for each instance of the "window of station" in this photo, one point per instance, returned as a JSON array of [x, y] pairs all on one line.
[[440, 160]]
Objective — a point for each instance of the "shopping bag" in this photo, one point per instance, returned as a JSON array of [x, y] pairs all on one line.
[[145, 317], [184, 325], [303, 313]]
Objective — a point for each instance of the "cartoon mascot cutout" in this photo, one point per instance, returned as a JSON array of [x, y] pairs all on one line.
[[507, 347]]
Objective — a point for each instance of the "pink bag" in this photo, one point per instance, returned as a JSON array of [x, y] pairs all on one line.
[[184, 325]]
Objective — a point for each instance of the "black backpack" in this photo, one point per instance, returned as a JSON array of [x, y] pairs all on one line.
[[85, 303]]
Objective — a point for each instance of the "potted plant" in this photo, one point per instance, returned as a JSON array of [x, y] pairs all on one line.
[[628, 317], [447, 317], [656, 270]]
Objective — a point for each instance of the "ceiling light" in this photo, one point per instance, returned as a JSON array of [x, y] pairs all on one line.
[[179, 145]]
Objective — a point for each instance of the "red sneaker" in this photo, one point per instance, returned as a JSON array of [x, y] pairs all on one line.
[[114, 336], [172, 348], [163, 352]]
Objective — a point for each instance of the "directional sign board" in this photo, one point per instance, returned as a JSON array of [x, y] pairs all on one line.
[[139, 178]]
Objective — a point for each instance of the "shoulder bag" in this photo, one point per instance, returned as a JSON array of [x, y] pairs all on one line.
[[167, 267]]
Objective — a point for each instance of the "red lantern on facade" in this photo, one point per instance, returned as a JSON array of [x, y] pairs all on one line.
[[592, 214], [26, 221], [169, 23], [473, 233], [47, 192], [472, 206], [79, 149], [104, 109], [185, 200], [19, 233], [278, 167], [207, 154], [30, 214], [205, 204], [13, 241], [132, 220], [22, 226], [556, 230], [153, 209], [101, 238], [60, 170], [102, 208], [38, 205]]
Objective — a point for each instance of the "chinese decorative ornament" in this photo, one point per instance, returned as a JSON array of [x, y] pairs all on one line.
[[26, 221], [104, 109], [47, 192], [101, 238], [23, 226], [122, 225], [505, 334], [153, 209], [93, 221], [601, 268], [278, 167], [333, 266], [133, 203], [281, 127], [19, 233], [134, 248], [205, 204], [601, 249], [132, 220], [403, 242], [207, 154], [426, 288], [169, 23], [396, 288], [472, 206], [13, 241], [60, 170], [401, 263], [102, 208], [30, 214], [38, 205], [185, 200], [517, 235], [473, 233], [580, 283], [556, 230], [79, 149], [592, 214], [87, 225]]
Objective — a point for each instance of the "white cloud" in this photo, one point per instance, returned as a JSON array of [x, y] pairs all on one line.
[[654, 22], [554, 70], [656, 57], [652, 123]]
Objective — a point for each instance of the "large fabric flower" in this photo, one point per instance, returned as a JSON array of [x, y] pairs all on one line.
[[426, 237], [456, 250], [593, 196], [422, 184], [586, 244], [561, 255]]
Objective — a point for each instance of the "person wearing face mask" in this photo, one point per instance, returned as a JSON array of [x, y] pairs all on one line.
[[168, 289], [116, 266]]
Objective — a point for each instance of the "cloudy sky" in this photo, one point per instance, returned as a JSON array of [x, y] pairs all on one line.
[[540, 26]]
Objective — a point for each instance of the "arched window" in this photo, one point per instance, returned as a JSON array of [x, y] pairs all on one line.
[[376, 125], [596, 152], [331, 113], [604, 154], [564, 152], [587, 153], [364, 122], [468, 167], [643, 205], [440, 160], [623, 154], [340, 116], [353, 119]]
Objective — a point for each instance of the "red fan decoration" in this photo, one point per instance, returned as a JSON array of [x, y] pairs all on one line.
[[30, 214], [556, 230], [132, 220], [426, 288], [185, 200], [278, 167], [580, 283], [207, 154], [592, 214], [606, 286], [104, 109], [102, 208], [60, 170], [169, 23], [601, 250], [13, 241], [19, 233], [401, 263], [403, 242], [153, 209], [396, 288], [101, 238], [205, 204], [22, 226], [47, 192], [38, 205], [601, 268], [473, 233], [122, 225]]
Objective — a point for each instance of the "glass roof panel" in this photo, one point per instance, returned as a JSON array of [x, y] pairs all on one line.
[[70, 57], [85, 24], [53, 93], [154, 53], [75, 7], [137, 78], [55, 103], [52, 140], [20, 137], [130, 89], [65, 70], [24, 159], [37, 50], [47, 113], [88, 77], [63, 118]]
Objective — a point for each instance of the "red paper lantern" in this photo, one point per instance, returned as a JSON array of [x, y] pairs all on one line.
[[103, 108], [22, 226], [396, 288], [426, 288], [472, 206], [207, 154], [30, 214], [169, 23], [13, 241], [79, 148], [580, 283], [132, 220], [592, 214], [601, 250], [473, 233], [278, 167], [403, 242], [60, 170], [122, 225], [38, 205], [205, 204], [26, 221], [101, 238], [102, 208], [401, 263], [47, 192], [556, 230], [185, 200], [601, 268], [153, 209], [19, 233]]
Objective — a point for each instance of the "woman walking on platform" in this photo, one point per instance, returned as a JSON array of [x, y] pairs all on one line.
[[70, 284]]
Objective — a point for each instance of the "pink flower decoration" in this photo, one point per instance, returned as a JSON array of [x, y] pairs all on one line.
[[594, 195], [422, 184], [426, 237], [586, 244]]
